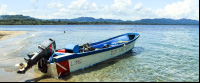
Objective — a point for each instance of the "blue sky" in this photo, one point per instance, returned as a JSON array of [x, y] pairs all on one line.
[[108, 9]]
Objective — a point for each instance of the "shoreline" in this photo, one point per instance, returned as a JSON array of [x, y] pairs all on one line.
[[95, 24], [10, 34]]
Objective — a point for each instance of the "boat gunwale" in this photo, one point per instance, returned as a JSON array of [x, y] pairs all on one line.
[[77, 55]]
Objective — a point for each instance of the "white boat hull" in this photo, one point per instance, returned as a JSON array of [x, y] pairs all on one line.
[[58, 69]]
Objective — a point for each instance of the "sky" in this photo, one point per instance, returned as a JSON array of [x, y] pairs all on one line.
[[107, 9]]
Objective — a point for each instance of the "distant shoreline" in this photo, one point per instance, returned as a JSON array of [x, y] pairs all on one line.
[[27, 20], [100, 24]]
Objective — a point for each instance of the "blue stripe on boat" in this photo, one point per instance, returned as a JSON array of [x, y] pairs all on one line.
[[77, 55]]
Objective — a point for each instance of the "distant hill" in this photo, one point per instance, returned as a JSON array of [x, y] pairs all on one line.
[[87, 19], [158, 21], [167, 21], [14, 17], [142, 21]]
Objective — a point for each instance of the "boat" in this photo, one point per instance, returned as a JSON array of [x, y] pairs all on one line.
[[57, 63]]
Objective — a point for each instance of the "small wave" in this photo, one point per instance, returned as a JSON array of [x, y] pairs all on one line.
[[30, 36], [27, 37], [5, 54]]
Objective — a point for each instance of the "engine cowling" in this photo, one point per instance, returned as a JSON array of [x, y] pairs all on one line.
[[45, 50]]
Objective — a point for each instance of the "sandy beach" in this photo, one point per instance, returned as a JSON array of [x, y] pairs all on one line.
[[38, 77], [9, 34]]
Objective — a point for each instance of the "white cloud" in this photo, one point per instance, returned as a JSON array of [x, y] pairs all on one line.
[[121, 4], [185, 9], [76, 9], [196, 14], [33, 1], [94, 7], [3, 9], [143, 13], [25, 11], [54, 5], [83, 5], [3, 6], [38, 14], [120, 9], [138, 7], [77, 5]]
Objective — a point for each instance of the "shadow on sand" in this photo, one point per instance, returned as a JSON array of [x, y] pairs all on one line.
[[135, 51]]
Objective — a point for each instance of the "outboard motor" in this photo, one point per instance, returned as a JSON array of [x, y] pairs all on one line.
[[45, 50]]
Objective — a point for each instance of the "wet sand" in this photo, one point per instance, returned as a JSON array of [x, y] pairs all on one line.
[[10, 76], [5, 75], [9, 34], [30, 76]]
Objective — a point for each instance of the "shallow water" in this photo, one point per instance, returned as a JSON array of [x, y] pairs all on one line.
[[163, 53]]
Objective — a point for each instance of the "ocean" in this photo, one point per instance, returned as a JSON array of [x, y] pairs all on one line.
[[163, 53]]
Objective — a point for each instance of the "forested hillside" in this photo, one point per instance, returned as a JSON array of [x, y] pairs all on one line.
[[27, 20]]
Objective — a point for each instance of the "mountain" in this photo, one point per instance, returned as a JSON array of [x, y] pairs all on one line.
[[87, 19], [162, 21], [142, 21], [167, 21], [14, 17]]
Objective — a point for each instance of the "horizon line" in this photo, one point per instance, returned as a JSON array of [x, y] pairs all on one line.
[[107, 18]]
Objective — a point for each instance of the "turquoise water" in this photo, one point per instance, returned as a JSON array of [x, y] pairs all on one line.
[[163, 53]]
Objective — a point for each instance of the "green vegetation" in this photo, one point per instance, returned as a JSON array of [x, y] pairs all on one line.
[[31, 21], [13, 17], [27, 20]]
